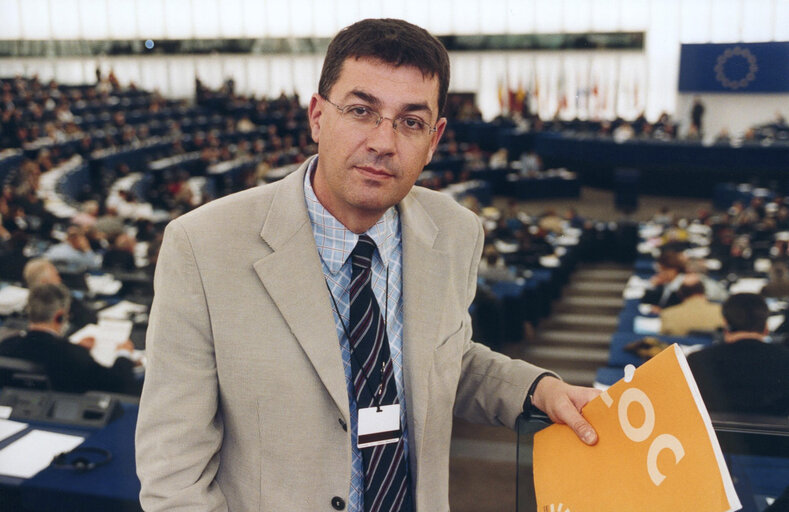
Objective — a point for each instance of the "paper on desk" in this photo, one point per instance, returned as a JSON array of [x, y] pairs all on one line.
[[747, 285], [657, 450], [33, 452], [646, 325], [12, 299], [104, 284], [108, 335], [9, 428], [123, 310]]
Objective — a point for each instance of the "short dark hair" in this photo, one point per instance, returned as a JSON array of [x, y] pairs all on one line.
[[745, 312], [392, 41], [690, 289], [45, 300]]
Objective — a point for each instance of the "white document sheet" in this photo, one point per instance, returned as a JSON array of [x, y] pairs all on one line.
[[9, 428], [108, 335], [33, 452]]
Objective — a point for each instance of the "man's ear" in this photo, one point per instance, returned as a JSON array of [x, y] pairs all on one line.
[[60, 316], [314, 116]]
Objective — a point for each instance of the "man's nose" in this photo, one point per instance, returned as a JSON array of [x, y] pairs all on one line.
[[381, 138]]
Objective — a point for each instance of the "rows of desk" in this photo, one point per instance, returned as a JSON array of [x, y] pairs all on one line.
[[756, 453]]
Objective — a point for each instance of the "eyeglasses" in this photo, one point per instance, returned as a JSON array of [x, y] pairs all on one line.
[[364, 117]]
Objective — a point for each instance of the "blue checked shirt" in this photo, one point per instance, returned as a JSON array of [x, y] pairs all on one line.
[[335, 243]]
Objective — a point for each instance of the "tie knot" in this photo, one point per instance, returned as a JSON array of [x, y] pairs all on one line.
[[362, 254]]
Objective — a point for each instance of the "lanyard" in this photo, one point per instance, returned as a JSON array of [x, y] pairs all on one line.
[[379, 392]]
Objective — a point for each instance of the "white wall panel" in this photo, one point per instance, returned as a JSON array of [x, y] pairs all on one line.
[[416, 13], [490, 71], [231, 18], [548, 16], [178, 19], [348, 11], [757, 20], [493, 17], [465, 17], [10, 19], [254, 18], [122, 19], [464, 72], [181, 74], [695, 21], [209, 71], [150, 19], [94, 22], [576, 16], [236, 68], [301, 18], [324, 18], [154, 75], [781, 21], [259, 74], [605, 15], [71, 71], [634, 15], [726, 21], [65, 19], [305, 76], [371, 8], [393, 10], [520, 16], [439, 20], [35, 19], [277, 19], [281, 78], [207, 16], [126, 69]]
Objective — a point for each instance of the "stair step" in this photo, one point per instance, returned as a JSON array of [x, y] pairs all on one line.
[[594, 356], [581, 301], [563, 337], [603, 274], [575, 321], [602, 286]]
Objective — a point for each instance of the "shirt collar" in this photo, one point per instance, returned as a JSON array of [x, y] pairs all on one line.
[[332, 236]]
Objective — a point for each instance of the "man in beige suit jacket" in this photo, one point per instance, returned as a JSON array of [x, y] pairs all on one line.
[[694, 313], [245, 405]]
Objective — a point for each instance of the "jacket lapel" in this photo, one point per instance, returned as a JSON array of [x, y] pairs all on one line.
[[424, 282], [294, 279]]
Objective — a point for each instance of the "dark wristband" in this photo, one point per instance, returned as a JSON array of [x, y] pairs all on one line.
[[528, 404]]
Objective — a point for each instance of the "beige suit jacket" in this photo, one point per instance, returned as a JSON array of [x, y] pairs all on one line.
[[693, 314], [245, 397]]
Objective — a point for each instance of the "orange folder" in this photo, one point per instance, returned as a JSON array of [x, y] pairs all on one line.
[[657, 450]]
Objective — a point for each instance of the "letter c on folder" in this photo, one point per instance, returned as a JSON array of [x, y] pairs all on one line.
[[662, 442]]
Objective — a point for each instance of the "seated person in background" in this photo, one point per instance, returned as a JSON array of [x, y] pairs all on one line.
[[40, 271], [74, 255], [744, 374], [70, 367], [120, 255], [667, 280], [695, 313], [777, 281], [492, 266]]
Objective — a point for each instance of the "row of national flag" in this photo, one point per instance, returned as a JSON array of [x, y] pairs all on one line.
[[581, 96]]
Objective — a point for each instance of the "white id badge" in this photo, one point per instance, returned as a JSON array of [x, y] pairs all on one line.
[[378, 427]]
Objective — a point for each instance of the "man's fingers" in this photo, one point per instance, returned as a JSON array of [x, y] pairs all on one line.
[[570, 416]]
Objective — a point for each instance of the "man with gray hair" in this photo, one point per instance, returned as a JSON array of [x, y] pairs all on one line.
[[70, 367]]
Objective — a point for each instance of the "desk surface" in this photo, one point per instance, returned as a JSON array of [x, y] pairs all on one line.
[[113, 486]]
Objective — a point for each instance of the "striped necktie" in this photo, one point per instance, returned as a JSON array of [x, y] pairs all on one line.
[[386, 480]]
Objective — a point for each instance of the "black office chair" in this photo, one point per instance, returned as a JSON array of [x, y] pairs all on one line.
[[16, 372]]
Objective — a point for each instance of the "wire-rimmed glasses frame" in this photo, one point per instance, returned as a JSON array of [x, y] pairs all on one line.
[[370, 118]]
